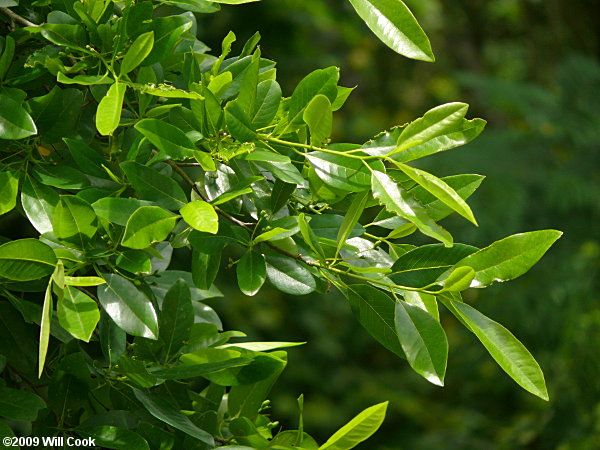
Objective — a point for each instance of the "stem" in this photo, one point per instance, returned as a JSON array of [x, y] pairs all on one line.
[[312, 147], [18, 18]]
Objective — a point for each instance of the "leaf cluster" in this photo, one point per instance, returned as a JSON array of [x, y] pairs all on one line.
[[125, 141]]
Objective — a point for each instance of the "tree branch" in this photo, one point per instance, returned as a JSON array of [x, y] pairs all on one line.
[[17, 18]]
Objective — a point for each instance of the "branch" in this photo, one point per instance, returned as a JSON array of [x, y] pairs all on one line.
[[17, 17]]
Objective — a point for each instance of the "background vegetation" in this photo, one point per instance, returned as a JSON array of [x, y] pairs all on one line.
[[531, 69]]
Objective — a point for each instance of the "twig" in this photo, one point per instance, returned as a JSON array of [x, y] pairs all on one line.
[[17, 17]]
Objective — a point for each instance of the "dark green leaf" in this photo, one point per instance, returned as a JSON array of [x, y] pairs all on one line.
[[154, 186], [289, 276], [131, 310], [118, 210], [15, 122], [251, 272], [176, 317], [167, 138], [169, 414], [19, 405], [38, 202], [113, 437]]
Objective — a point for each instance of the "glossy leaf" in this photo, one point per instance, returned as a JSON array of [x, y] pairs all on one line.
[[251, 272], [9, 188], [118, 210], [131, 310], [342, 172], [154, 186], [26, 259], [113, 437], [459, 279], [176, 317], [167, 138], [147, 225], [289, 276], [439, 189], [77, 313], [351, 218], [268, 98], [375, 311], [139, 50], [109, 109], [15, 122], [74, 220], [169, 414], [510, 257], [394, 24], [398, 201], [45, 323], [423, 340], [359, 429], [38, 202], [201, 216], [505, 348]]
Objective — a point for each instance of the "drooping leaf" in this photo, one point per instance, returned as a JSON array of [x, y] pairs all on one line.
[[375, 311], [176, 317], [251, 272], [359, 429], [504, 347], [77, 313], [423, 340], [399, 201], [147, 225], [131, 310], [169, 414], [289, 276], [45, 322], [394, 24]]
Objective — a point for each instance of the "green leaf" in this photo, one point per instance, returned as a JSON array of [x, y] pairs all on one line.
[[131, 310], [65, 34], [77, 313], [198, 370], [74, 220], [88, 159], [38, 202], [9, 188], [375, 312], [251, 272], [205, 267], [19, 405], [509, 353], [238, 123], [201, 216], [509, 258], [169, 414], [358, 429], [425, 264], [423, 340], [15, 121], [26, 259], [176, 317], [440, 190], [118, 210], [147, 225], [167, 138], [154, 186], [45, 322], [272, 234], [109, 110], [268, 98], [84, 80], [108, 436], [399, 201], [459, 279], [320, 81], [7, 54], [393, 23], [319, 118], [289, 276], [310, 237], [343, 172], [355, 210], [139, 50], [167, 31], [84, 281]]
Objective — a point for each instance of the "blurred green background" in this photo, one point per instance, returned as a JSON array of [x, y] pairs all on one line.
[[531, 68]]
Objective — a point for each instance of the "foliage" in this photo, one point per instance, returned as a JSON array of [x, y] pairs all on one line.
[[126, 142]]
